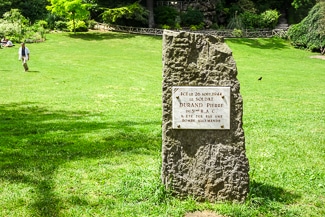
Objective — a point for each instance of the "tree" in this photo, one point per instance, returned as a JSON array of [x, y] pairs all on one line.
[[133, 11], [310, 32], [151, 20], [71, 9], [4, 6]]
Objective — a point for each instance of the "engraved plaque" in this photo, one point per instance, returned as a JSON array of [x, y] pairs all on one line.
[[201, 107]]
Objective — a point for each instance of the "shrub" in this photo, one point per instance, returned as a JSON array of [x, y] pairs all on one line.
[[269, 19], [13, 25], [51, 20], [235, 23], [165, 26], [197, 27], [192, 17], [91, 24], [9, 30], [238, 33], [250, 20], [166, 15], [41, 23], [80, 26], [310, 32], [61, 25]]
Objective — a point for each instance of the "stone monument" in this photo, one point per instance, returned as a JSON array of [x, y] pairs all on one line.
[[203, 140]]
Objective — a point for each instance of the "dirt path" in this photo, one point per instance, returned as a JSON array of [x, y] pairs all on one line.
[[318, 57], [203, 214]]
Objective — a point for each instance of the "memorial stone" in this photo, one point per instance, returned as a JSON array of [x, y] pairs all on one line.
[[203, 140]]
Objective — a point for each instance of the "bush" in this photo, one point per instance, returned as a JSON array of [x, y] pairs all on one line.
[[13, 25], [237, 33], [310, 32], [269, 19], [197, 27], [250, 20], [61, 25], [235, 23], [165, 15], [192, 17], [9, 30], [80, 26], [91, 24], [165, 26]]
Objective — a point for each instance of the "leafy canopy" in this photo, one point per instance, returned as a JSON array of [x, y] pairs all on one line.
[[132, 11], [71, 9]]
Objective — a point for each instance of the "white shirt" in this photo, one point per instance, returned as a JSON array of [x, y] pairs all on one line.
[[9, 44], [26, 53]]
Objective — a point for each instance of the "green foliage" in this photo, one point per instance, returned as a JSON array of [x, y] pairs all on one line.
[[41, 23], [15, 16], [79, 26], [130, 12], [33, 9], [165, 26], [192, 17], [73, 10], [247, 6], [8, 29], [177, 26], [309, 33], [13, 25], [197, 27], [235, 22], [269, 19], [91, 24], [61, 25], [302, 3], [237, 33], [250, 20], [165, 15], [51, 19]]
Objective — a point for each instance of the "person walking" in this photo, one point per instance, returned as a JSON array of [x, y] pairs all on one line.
[[23, 55]]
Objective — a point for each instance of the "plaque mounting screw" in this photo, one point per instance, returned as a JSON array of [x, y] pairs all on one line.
[[177, 97], [222, 97], [179, 126], [222, 126]]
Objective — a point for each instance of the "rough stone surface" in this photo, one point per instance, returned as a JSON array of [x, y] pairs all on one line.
[[207, 164]]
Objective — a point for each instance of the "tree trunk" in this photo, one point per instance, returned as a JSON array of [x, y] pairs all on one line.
[[151, 20]]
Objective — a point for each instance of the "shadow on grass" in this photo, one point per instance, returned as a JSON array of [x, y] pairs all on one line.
[[90, 36], [262, 194], [261, 43], [35, 141]]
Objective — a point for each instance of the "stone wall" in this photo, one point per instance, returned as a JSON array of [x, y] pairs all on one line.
[[207, 164]]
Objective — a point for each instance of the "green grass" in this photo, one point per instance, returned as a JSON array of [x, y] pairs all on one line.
[[80, 134]]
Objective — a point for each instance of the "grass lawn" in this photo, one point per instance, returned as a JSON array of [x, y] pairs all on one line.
[[80, 134]]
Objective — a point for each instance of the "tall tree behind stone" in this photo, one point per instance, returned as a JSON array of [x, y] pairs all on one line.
[[151, 20]]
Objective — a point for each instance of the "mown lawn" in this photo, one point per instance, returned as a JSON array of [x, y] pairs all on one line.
[[80, 134]]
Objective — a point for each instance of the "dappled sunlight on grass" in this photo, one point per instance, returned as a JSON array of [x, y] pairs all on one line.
[[80, 135], [36, 141]]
